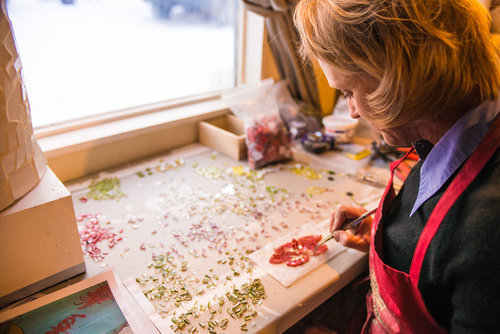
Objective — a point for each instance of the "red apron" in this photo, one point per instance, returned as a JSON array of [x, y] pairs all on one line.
[[395, 304]]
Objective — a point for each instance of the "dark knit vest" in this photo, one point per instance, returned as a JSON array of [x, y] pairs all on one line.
[[460, 278]]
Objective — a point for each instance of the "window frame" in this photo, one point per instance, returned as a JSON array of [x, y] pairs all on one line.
[[86, 146]]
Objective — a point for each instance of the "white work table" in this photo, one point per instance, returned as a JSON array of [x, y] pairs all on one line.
[[202, 208]]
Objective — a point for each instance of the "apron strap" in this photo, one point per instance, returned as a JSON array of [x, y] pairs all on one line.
[[474, 164]]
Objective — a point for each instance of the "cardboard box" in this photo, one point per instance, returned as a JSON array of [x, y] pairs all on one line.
[[39, 241], [226, 135]]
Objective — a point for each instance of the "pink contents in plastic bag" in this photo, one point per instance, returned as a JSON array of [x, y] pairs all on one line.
[[268, 140], [266, 135]]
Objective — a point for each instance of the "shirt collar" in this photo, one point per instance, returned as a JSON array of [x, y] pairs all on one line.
[[454, 148]]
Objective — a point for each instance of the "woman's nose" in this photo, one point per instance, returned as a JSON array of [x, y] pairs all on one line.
[[352, 110]]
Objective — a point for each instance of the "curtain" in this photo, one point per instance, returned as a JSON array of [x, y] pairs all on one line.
[[284, 42]]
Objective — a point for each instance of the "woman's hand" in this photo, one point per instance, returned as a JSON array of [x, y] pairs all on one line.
[[358, 239]]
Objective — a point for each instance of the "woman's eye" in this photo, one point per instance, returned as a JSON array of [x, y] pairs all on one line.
[[347, 93]]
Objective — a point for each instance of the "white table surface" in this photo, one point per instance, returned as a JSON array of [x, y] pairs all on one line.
[[157, 206]]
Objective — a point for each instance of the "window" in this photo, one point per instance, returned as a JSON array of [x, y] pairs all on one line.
[[106, 137], [87, 57]]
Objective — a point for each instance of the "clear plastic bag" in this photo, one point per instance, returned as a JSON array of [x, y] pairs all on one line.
[[297, 116], [266, 136]]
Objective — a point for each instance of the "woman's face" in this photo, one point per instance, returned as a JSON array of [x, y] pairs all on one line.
[[355, 89]]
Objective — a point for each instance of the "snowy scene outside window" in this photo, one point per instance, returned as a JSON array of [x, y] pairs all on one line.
[[85, 57]]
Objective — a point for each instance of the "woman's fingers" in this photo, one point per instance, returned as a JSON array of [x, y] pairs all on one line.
[[360, 239], [341, 213], [356, 241]]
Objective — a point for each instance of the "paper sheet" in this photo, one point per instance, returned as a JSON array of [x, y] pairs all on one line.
[[162, 324], [287, 275]]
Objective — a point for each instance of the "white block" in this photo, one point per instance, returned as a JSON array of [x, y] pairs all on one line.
[[39, 241]]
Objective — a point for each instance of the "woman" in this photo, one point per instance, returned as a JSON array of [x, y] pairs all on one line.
[[422, 72]]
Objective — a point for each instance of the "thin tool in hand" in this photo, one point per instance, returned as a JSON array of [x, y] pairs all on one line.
[[349, 224]]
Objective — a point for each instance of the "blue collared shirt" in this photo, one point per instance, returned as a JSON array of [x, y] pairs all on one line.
[[454, 148]]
